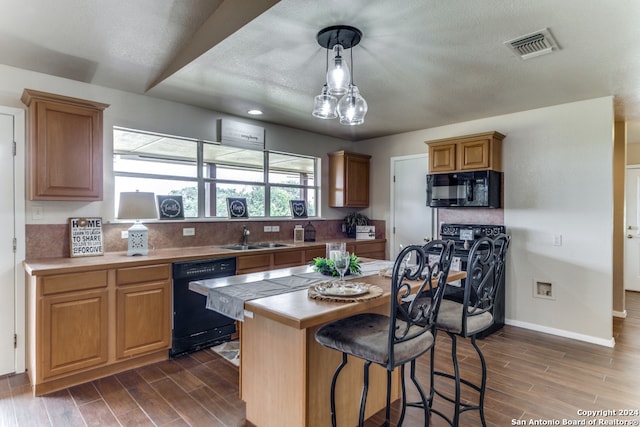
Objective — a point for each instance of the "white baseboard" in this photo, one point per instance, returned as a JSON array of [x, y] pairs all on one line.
[[622, 314], [562, 333]]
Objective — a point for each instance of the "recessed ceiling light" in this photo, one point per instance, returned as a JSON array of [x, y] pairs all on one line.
[[255, 112]]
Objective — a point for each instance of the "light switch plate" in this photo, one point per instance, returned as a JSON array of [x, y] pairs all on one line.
[[275, 228], [188, 231], [124, 234]]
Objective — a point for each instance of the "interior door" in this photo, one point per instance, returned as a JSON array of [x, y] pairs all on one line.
[[632, 230], [412, 218], [7, 255]]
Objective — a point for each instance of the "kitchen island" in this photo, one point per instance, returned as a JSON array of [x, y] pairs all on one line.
[[285, 375]]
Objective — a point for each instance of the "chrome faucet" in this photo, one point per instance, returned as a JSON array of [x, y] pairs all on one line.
[[245, 235]]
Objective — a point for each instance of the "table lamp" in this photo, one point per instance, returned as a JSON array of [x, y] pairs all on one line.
[[137, 205]]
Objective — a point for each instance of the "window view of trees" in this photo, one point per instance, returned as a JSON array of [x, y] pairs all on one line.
[[168, 165]]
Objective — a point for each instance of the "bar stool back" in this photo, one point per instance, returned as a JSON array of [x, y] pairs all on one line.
[[399, 338], [485, 273]]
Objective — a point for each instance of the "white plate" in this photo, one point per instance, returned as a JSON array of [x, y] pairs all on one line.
[[337, 289]]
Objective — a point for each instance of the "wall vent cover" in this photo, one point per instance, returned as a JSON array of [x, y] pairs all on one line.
[[531, 45]]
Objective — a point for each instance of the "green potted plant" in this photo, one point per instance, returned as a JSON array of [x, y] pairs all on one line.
[[352, 220], [327, 267]]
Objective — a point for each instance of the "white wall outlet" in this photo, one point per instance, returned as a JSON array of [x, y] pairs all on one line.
[[189, 231], [275, 228], [124, 234], [557, 240], [267, 229], [37, 212]]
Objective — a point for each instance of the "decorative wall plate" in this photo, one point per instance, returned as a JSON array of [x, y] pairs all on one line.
[[298, 208], [237, 207], [170, 207]]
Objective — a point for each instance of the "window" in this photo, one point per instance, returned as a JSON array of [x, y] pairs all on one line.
[[206, 173]]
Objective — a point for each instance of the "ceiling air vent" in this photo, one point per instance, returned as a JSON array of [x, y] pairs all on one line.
[[532, 45]]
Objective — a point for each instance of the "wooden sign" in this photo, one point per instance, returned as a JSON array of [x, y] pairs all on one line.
[[85, 237]]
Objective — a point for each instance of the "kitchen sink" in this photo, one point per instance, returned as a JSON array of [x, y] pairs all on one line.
[[272, 245], [242, 247], [255, 246]]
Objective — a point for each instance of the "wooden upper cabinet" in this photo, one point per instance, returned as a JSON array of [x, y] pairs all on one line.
[[65, 147], [348, 180], [442, 158], [466, 153]]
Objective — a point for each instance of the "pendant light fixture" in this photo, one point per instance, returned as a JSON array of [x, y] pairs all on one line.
[[352, 107], [325, 105]]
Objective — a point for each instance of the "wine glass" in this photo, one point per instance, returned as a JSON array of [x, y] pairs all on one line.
[[341, 262]]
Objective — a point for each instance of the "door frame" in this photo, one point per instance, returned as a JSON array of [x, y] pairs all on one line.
[[392, 199], [19, 232]]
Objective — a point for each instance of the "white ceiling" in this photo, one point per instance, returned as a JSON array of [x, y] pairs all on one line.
[[421, 63]]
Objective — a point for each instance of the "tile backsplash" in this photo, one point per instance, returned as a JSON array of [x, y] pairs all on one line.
[[52, 240]]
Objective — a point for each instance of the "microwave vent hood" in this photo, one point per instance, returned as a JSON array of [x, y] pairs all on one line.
[[479, 189]]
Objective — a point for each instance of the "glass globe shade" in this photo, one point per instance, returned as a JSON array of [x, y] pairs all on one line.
[[338, 75], [324, 105], [352, 107]]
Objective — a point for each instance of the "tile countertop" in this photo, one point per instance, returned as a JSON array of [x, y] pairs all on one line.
[[49, 266]]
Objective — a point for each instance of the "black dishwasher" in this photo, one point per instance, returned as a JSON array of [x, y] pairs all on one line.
[[194, 326]]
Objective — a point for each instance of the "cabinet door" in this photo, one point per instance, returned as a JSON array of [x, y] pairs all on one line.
[[375, 250], [283, 259], [312, 253], [143, 318], [474, 154], [65, 147], [348, 180], [74, 332], [253, 263], [357, 181], [442, 158]]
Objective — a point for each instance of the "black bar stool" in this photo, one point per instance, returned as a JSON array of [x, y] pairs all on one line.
[[399, 338], [485, 273]]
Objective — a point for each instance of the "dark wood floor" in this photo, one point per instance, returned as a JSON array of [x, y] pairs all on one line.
[[531, 376]]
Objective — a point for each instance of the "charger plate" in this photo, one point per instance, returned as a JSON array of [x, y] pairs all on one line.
[[350, 292]]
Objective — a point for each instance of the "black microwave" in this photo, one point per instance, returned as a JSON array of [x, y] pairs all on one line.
[[480, 189]]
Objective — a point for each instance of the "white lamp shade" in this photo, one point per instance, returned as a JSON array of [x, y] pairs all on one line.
[[338, 76], [352, 107], [137, 205]]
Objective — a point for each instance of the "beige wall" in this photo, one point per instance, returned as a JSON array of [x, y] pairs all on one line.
[[555, 160]]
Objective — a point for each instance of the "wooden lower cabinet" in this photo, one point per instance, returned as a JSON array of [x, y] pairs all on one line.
[[312, 253], [143, 310], [286, 258], [74, 332], [283, 258], [253, 263], [84, 326], [363, 249]]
